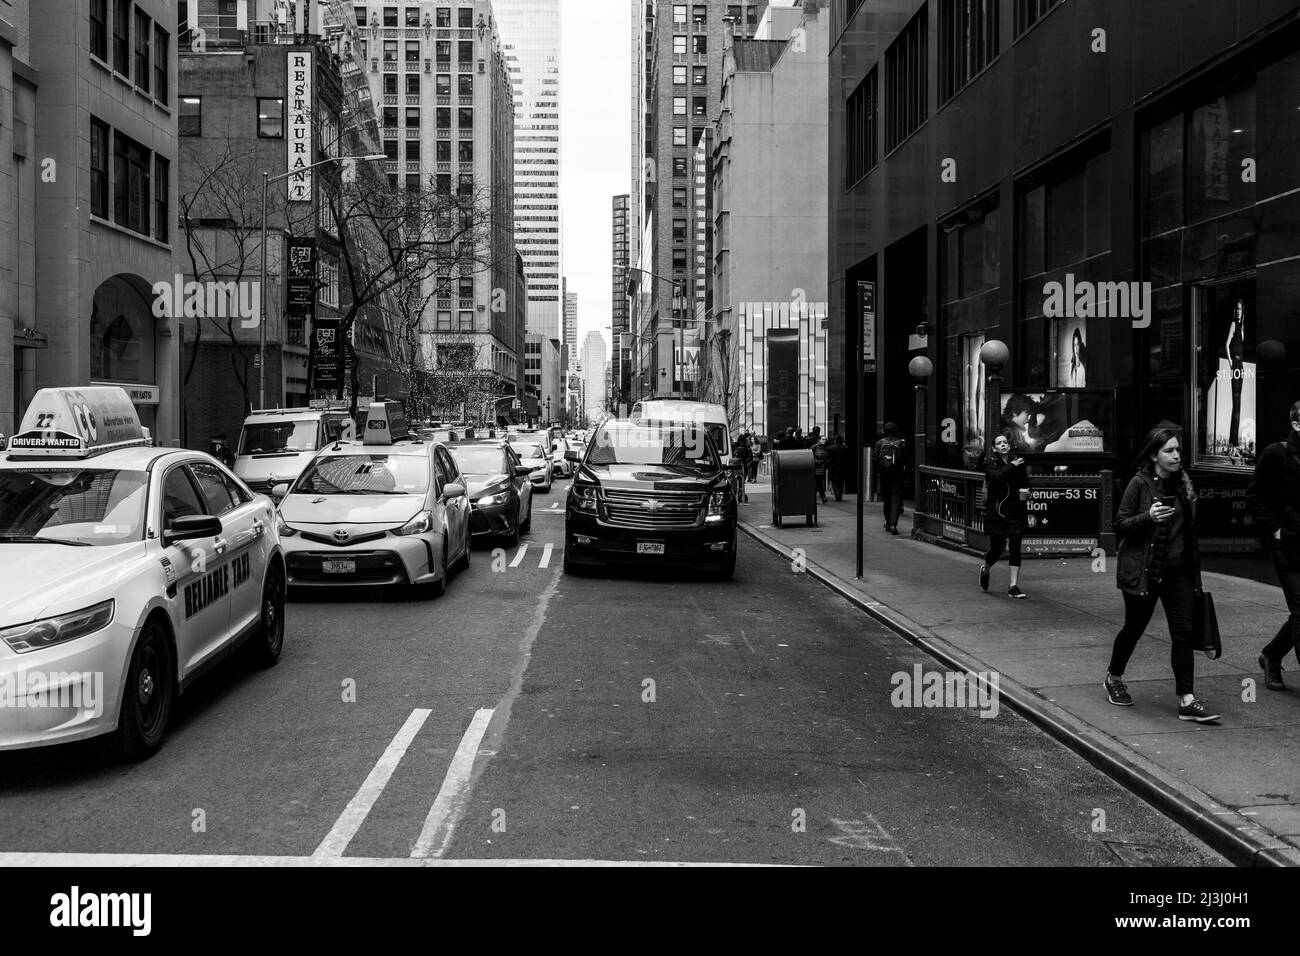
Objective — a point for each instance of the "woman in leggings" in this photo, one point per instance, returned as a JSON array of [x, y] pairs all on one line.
[[1005, 511]]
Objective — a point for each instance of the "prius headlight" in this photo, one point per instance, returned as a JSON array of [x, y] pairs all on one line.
[[58, 630], [420, 524]]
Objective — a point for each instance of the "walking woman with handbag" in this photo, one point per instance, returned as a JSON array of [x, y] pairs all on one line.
[[1159, 562], [1005, 511]]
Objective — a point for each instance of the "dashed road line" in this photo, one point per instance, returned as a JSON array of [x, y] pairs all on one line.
[[355, 813], [454, 791], [519, 556], [546, 555]]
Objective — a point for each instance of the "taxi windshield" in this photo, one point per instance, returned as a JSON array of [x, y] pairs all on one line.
[[365, 475], [636, 444], [270, 438], [89, 506], [527, 451], [480, 460]]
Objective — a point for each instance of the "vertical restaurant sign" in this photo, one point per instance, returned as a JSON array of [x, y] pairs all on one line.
[[301, 276], [299, 138], [326, 371], [867, 296]]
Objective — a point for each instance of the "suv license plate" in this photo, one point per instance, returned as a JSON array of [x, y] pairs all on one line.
[[339, 567], [649, 547]]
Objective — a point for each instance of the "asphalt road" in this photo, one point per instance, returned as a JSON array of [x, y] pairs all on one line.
[[533, 715]]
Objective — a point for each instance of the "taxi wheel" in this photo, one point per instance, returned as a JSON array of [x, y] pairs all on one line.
[[146, 699], [527, 526], [439, 587], [266, 646]]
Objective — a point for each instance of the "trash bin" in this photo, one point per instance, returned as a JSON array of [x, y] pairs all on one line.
[[794, 486]]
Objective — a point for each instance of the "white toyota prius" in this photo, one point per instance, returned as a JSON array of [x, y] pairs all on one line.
[[128, 571], [388, 510]]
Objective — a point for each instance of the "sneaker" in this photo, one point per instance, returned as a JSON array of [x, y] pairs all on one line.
[[984, 577], [894, 531], [1196, 711], [1272, 673], [1117, 692], [1015, 592]]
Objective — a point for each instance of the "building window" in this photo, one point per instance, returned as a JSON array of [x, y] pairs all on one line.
[[679, 106], [390, 51], [442, 84], [442, 152], [679, 197], [412, 150], [466, 83], [390, 84], [466, 284], [390, 16], [905, 89], [412, 116], [121, 37], [389, 117], [328, 280], [99, 28], [700, 75], [699, 106], [679, 135], [699, 14], [466, 320], [390, 150], [700, 44], [1029, 12], [465, 151], [98, 168], [443, 184], [465, 118], [679, 230], [860, 130], [444, 321], [465, 16], [442, 18], [465, 51], [412, 51], [466, 185], [190, 121], [679, 46], [131, 193], [412, 17], [161, 187], [412, 84], [161, 62], [442, 51], [968, 42], [143, 30], [679, 14], [679, 263], [679, 75], [270, 117], [679, 165]]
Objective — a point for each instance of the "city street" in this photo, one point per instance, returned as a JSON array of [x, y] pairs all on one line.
[[530, 714]]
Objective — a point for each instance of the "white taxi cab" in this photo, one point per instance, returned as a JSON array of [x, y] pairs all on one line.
[[390, 509], [128, 571]]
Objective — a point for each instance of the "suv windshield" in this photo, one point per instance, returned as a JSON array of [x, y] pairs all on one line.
[[84, 506], [480, 460], [365, 475], [277, 437], [627, 443]]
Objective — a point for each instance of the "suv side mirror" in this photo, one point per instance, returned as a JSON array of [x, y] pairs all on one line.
[[453, 490], [522, 470], [191, 527], [571, 456], [280, 490]]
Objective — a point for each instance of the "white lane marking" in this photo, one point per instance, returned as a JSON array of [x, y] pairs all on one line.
[[354, 814], [199, 859], [546, 555], [868, 834], [555, 505], [455, 788], [519, 556]]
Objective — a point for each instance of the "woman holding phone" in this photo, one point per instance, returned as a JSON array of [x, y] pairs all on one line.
[[1005, 515], [1159, 562]]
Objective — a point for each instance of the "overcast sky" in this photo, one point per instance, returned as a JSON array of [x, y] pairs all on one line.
[[596, 131]]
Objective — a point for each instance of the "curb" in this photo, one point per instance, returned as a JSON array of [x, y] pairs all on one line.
[[1242, 841]]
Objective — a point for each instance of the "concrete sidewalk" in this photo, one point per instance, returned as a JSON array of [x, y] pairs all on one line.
[[1235, 784]]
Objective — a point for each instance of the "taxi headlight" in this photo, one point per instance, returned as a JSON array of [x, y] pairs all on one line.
[[420, 524], [58, 630], [284, 530], [499, 498]]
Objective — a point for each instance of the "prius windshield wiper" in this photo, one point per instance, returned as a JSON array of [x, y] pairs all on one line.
[[34, 539]]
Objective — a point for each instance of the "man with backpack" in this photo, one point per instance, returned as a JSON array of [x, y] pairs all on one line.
[[1274, 499], [891, 472]]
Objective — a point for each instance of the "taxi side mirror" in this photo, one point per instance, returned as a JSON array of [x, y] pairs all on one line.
[[572, 456], [280, 490], [190, 528], [522, 470], [453, 490]]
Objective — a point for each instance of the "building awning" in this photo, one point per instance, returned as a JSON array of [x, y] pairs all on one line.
[[30, 339]]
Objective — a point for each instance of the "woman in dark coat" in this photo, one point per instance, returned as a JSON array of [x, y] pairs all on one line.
[[1005, 514], [1159, 561]]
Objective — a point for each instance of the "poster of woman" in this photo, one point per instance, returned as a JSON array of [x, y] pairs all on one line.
[[972, 398], [1070, 340], [1229, 384]]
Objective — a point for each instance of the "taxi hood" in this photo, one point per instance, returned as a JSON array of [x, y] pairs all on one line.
[[42, 580], [476, 484], [351, 509]]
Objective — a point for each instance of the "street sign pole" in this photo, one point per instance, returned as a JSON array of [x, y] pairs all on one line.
[[864, 361]]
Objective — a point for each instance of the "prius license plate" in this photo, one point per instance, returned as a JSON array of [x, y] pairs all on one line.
[[649, 547], [339, 567]]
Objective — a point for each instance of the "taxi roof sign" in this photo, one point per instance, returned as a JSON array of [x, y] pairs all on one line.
[[385, 423], [73, 423]]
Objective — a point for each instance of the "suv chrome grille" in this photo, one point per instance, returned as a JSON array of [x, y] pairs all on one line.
[[651, 510]]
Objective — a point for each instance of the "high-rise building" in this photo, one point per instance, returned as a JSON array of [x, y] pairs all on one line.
[[88, 203], [681, 46], [531, 31], [619, 326], [593, 375], [438, 75], [571, 322]]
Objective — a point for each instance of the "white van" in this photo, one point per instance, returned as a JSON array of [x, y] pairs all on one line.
[[276, 444], [713, 417]]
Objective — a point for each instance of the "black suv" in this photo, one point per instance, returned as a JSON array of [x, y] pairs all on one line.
[[651, 494]]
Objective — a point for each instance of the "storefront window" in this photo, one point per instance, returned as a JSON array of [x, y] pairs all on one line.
[[121, 334], [1226, 374], [1221, 143], [972, 398]]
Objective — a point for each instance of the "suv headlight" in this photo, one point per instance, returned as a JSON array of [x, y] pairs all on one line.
[[718, 502], [58, 630], [420, 524], [585, 497]]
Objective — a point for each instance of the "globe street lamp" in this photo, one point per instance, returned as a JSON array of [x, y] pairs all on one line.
[[267, 179], [995, 355]]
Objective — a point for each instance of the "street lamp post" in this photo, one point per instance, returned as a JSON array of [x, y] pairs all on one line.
[[267, 179], [994, 354], [681, 328], [921, 368]]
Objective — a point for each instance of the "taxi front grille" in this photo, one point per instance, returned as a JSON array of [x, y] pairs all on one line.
[[358, 538]]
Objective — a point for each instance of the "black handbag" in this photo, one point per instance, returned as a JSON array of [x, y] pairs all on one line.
[[1205, 626]]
